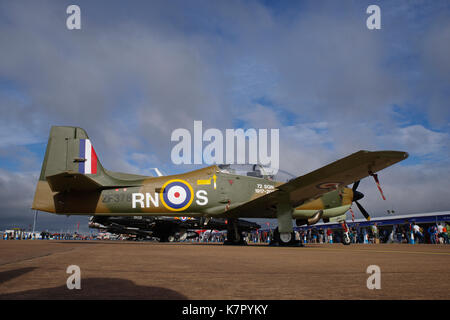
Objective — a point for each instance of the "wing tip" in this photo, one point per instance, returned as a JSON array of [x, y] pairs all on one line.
[[389, 153]]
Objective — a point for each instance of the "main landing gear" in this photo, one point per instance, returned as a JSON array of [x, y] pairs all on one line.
[[285, 239], [234, 235]]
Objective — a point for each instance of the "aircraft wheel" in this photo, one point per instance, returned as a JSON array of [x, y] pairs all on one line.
[[167, 238], [183, 236], [234, 235], [285, 239], [346, 239], [235, 239]]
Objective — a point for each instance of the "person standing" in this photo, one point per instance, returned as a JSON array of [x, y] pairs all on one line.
[[329, 236], [418, 233], [441, 233], [375, 233], [432, 233]]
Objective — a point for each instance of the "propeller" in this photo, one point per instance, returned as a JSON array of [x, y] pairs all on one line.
[[358, 196]]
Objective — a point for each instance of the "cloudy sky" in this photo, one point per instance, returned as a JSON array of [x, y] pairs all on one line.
[[137, 70]]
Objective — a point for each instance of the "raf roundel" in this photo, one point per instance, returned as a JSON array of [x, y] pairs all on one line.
[[177, 195], [329, 185]]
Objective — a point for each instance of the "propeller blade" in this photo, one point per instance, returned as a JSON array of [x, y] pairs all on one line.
[[355, 185], [375, 177], [357, 195], [353, 214], [363, 211]]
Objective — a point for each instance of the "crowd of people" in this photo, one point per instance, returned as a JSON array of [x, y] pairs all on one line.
[[438, 233]]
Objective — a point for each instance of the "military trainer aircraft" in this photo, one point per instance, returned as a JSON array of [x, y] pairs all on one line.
[[73, 182]]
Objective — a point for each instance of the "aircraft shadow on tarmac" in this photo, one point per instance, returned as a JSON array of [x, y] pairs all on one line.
[[72, 243], [217, 244], [11, 274], [200, 244], [91, 288]]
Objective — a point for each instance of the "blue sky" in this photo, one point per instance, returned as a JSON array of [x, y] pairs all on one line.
[[137, 71]]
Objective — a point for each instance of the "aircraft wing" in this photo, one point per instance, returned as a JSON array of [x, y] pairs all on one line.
[[312, 185]]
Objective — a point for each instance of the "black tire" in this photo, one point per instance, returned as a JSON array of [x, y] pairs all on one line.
[[235, 240], [346, 240], [167, 238], [234, 235], [281, 240]]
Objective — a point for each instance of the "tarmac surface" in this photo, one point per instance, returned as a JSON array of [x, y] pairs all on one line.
[[148, 270]]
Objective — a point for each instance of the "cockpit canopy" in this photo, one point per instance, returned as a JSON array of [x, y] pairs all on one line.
[[257, 171]]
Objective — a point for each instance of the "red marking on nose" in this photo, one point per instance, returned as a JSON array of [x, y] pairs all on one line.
[[176, 194]]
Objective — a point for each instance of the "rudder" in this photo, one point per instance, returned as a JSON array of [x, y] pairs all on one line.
[[69, 150]]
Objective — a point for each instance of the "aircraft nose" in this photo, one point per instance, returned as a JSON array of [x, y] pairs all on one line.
[[357, 195]]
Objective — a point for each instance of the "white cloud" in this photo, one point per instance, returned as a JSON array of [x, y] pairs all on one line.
[[130, 77], [17, 190], [420, 141]]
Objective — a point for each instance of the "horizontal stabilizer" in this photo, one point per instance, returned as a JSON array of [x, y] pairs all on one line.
[[67, 181]]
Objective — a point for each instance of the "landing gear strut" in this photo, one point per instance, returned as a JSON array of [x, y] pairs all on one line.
[[345, 234], [234, 235]]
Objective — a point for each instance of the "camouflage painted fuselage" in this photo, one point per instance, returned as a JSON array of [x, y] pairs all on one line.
[[210, 192]]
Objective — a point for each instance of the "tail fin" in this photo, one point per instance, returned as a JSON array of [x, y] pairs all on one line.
[[69, 150], [70, 163], [72, 174]]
